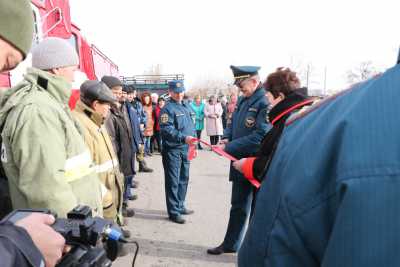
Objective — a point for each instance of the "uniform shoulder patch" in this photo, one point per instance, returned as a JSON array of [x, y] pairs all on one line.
[[164, 118]]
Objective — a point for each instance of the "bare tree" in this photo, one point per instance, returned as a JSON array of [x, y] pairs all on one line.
[[305, 71], [361, 73], [210, 86]]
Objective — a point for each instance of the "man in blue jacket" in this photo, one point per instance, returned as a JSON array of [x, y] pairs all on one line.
[[241, 139], [135, 124], [331, 194], [177, 131], [141, 115]]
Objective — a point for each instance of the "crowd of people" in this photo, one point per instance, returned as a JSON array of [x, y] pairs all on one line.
[[328, 170]]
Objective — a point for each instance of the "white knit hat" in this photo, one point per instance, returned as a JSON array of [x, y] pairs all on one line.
[[53, 53]]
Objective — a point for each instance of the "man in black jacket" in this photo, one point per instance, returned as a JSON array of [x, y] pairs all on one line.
[[120, 130]]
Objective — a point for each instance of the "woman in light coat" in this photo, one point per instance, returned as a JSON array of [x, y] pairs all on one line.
[[213, 112]]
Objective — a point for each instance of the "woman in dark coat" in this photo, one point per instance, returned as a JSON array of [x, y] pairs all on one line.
[[285, 97]]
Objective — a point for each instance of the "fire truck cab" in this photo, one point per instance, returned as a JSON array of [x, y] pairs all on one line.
[[52, 18]]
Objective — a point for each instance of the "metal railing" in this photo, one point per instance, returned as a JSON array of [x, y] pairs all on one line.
[[151, 80]]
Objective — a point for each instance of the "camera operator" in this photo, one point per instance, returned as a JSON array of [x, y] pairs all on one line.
[[31, 241]]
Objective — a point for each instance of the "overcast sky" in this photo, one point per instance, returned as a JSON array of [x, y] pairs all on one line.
[[202, 38]]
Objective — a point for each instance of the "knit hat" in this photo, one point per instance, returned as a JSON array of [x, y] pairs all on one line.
[[111, 81], [54, 52], [16, 24]]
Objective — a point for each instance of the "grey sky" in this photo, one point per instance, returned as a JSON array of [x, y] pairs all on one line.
[[202, 38]]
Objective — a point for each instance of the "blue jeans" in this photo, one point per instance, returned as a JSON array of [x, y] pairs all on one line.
[[127, 187], [147, 141]]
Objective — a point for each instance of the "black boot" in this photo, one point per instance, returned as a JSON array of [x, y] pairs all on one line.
[[143, 167], [220, 250]]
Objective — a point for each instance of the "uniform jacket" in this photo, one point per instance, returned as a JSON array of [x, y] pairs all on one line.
[[330, 196], [17, 248], [105, 160], [43, 152], [199, 111], [119, 128], [176, 122], [249, 126], [213, 124]]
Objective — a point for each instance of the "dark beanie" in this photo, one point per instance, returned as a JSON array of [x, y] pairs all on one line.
[[16, 24], [111, 81]]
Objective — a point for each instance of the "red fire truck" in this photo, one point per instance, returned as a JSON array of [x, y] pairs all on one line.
[[52, 18]]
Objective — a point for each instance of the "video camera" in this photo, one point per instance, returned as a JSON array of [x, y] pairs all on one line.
[[94, 241]]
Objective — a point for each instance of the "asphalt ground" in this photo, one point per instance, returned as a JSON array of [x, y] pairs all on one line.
[[164, 243]]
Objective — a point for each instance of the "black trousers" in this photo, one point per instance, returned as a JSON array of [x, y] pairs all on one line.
[[214, 139], [198, 133]]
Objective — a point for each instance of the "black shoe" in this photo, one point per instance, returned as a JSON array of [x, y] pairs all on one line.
[[187, 212], [199, 148], [133, 197], [219, 250], [126, 233], [143, 167], [177, 219], [128, 212]]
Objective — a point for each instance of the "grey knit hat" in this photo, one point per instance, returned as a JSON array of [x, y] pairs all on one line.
[[53, 53]]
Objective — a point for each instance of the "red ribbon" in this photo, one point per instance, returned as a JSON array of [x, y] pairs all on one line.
[[218, 150]]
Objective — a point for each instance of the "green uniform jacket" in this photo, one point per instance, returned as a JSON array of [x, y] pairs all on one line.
[[102, 151], [43, 152]]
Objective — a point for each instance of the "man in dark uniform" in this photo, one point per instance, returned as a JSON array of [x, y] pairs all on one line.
[[331, 194], [241, 139], [177, 131]]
